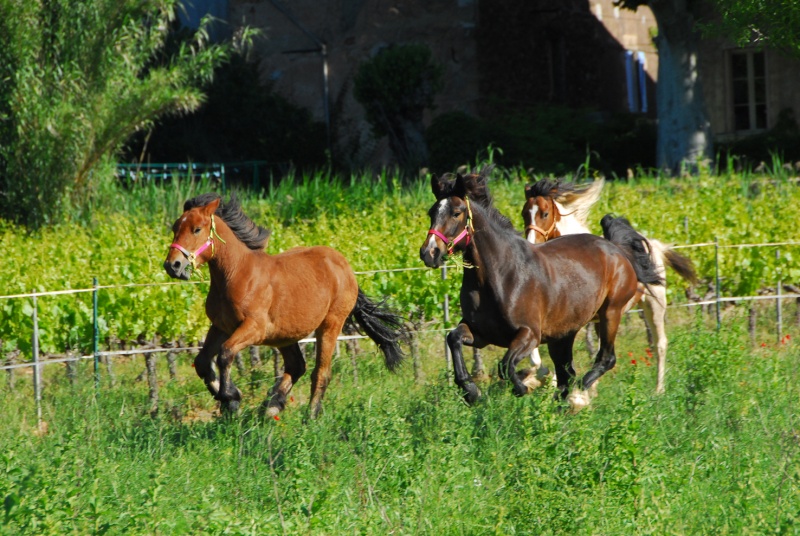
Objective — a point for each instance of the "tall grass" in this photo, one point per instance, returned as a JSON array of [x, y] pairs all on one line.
[[715, 455]]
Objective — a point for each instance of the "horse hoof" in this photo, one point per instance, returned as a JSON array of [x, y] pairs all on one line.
[[231, 406], [471, 393], [532, 378], [578, 400]]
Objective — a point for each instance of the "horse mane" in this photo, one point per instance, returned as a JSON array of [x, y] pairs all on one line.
[[476, 187], [635, 246], [253, 236], [572, 199]]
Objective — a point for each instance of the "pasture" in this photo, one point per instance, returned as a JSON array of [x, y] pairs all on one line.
[[388, 454]]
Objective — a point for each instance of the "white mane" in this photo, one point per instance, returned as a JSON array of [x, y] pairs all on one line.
[[574, 209]]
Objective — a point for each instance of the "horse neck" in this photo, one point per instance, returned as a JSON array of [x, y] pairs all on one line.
[[490, 250], [228, 255], [570, 224]]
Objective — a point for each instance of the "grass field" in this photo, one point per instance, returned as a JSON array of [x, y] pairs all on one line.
[[714, 455]]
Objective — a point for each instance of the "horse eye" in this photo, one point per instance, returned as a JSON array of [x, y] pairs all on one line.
[[197, 230], [545, 214]]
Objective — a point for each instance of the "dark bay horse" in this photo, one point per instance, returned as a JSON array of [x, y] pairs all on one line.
[[517, 295], [556, 208], [274, 300]]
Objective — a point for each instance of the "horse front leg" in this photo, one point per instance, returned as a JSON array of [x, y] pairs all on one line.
[[521, 346], [245, 335], [455, 340], [202, 363], [604, 361]]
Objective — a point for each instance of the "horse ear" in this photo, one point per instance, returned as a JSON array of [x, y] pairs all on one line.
[[528, 191], [438, 186], [211, 208], [460, 189]]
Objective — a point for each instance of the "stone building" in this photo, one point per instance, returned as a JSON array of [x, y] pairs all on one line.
[[578, 53]]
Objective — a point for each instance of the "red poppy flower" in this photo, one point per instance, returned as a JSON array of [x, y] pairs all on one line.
[[276, 418], [633, 361]]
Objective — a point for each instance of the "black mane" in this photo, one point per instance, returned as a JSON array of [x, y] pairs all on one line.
[[252, 235], [476, 188], [553, 188]]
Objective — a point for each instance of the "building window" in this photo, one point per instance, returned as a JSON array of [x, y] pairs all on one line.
[[748, 90], [636, 81]]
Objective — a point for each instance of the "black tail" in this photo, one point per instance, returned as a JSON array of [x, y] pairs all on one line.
[[382, 325], [635, 246]]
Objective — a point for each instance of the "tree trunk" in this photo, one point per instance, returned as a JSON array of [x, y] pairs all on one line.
[[684, 131]]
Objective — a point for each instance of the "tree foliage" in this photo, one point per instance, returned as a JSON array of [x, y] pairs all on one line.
[[242, 119], [772, 23], [395, 87], [78, 78]]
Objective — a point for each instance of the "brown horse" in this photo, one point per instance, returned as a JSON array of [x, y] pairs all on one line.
[[556, 208], [517, 295], [274, 300]]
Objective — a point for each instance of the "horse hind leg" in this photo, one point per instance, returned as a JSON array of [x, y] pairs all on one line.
[[321, 377], [294, 366], [605, 359], [655, 312]]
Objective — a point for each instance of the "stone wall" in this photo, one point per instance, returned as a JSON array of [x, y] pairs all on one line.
[[353, 31]]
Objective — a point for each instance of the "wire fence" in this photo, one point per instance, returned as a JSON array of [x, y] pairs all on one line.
[[96, 355]]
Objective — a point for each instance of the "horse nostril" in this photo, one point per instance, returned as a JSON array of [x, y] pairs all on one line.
[[176, 265]]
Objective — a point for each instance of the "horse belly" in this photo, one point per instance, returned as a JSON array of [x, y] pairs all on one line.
[[573, 298], [486, 322]]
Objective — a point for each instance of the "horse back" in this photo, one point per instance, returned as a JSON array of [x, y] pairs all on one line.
[[574, 276], [289, 295]]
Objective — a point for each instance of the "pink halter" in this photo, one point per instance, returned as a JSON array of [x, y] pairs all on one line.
[[192, 256], [451, 244]]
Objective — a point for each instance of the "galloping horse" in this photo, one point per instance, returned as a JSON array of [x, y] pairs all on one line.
[[516, 295], [274, 300], [556, 208]]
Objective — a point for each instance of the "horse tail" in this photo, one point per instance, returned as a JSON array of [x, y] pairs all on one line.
[[381, 324], [669, 257], [682, 265], [636, 248]]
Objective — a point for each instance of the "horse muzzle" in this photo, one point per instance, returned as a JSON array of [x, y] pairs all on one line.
[[178, 268], [432, 256]]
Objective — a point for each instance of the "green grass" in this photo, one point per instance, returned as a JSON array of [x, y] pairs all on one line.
[[715, 454]]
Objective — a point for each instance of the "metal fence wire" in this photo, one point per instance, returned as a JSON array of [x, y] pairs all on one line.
[[97, 354]]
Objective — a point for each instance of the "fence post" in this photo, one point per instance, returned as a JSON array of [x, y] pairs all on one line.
[[448, 358], [778, 310], [95, 336], [37, 369], [716, 277]]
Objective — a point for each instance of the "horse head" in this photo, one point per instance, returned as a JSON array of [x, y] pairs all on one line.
[[194, 236], [548, 201], [540, 212], [451, 215]]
